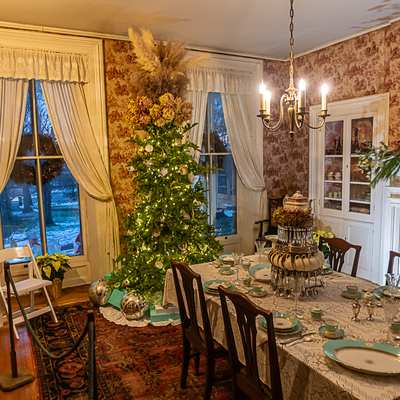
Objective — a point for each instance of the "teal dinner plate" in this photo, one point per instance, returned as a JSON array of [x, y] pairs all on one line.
[[212, 286], [229, 272], [263, 325], [225, 255], [339, 333], [349, 296], [384, 291], [261, 272], [327, 271], [263, 293], [272, 237], [215, 292], [367, 357]]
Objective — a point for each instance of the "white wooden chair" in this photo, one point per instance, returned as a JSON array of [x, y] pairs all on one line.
[[34, 282]]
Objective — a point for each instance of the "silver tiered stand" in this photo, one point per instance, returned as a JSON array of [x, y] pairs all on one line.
[[295, 244]]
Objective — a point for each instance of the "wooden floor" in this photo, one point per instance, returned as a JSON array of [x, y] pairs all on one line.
[[23, 349]]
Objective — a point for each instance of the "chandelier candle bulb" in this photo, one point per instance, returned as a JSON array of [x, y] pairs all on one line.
[[262, 96], [324, 91], [268, 102], [302, 95]]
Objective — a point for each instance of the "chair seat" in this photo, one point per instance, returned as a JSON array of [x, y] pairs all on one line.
[[29, 285]]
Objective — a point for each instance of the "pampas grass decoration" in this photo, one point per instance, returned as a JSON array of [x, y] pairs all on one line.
[[161, 68]]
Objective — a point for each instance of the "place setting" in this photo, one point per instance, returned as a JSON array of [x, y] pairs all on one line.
[[284, 324], [211, 287]]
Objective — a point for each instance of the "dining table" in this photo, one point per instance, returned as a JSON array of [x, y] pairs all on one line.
[[306, 370]]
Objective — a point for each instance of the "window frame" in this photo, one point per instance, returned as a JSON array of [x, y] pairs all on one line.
[[93, 234], [248, 202]]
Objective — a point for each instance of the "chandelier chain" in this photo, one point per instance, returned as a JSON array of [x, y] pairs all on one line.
[[291, 27]]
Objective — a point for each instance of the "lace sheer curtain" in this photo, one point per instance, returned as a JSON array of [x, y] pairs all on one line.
[[13, 94], [235, 88], [62, 77]]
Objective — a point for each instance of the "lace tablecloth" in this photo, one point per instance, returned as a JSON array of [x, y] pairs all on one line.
[[306, 372]]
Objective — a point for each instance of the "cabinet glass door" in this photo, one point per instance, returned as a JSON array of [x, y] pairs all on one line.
[[333, 165], [360, 191]]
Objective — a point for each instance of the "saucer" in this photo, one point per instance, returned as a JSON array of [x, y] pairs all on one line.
[[230, 272], [338, 334], [351, 296], [263, 293]]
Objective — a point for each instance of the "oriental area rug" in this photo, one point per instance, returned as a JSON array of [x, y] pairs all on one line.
[[132, 363]]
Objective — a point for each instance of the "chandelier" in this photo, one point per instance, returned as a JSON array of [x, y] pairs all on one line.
[[294, 99]]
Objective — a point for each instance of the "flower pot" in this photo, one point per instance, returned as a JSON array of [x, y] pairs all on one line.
[[55, 290]]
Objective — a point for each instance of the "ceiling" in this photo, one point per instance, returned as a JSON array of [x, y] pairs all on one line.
[[248, 27]]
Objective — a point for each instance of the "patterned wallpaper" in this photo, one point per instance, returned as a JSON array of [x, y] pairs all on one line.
[[358, 67], [119, 59]]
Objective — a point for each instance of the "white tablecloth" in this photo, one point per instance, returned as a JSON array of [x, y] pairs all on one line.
[[306, 372]]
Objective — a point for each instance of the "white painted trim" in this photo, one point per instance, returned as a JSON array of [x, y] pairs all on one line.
[[95, 93], [378, 104]]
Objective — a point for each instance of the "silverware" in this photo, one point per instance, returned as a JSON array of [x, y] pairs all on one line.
[[287, 341], [306, 338]]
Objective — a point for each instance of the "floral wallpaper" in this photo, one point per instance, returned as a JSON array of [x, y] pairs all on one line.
[[361, 66], [118, 63], [358, 67]]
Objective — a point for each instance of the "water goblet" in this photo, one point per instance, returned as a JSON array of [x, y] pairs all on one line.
[[260, 244], [393, 283], [237, 261], [296, 291], [390, 307]]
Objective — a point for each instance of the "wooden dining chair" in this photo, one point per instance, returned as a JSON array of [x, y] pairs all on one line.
[[392, 256], [201, 339], [337, 250], [245, 378]]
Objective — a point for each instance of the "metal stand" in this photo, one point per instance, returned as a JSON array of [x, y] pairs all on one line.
[[16, 378]]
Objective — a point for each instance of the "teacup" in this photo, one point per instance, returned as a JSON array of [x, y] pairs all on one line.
[[396, 325], [226, 269], [246, 281], [298, 261], [352, 289], [331, 326], [257, 288], [246, 263], [316, 312]]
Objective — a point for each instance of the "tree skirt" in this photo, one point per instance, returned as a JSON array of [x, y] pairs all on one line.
[[112, 314], [132, 363]]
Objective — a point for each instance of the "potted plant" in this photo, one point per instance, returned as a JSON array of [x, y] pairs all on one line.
[[52, 267]]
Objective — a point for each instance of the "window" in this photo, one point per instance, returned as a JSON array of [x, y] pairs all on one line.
[[220, 185], [40, 203]]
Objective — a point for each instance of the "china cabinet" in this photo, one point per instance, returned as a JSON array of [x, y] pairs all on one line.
[[344, 200]]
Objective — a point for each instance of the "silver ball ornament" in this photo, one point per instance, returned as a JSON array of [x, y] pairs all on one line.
[[132, 307], [99, 293]]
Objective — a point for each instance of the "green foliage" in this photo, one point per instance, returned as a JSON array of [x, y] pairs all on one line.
[[53, 266], [294, 219], [169, 220], [325, 246], [383, 162]]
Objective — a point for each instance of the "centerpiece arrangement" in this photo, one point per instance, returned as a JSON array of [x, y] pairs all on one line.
[[169, 220], [295, 252]]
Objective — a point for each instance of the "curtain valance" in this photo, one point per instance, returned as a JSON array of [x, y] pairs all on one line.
[[21, 63], [220, 80]]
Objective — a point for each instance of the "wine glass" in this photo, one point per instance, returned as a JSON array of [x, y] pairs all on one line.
[[260, 244], [393, 283], [390, 307], [296, 291], [237, 262]]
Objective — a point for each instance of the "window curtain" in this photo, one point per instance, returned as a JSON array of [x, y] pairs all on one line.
[[13, 94], [62, 77], [235, 88]]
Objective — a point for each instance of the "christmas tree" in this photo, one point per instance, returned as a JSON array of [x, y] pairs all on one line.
[[169, 220]]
